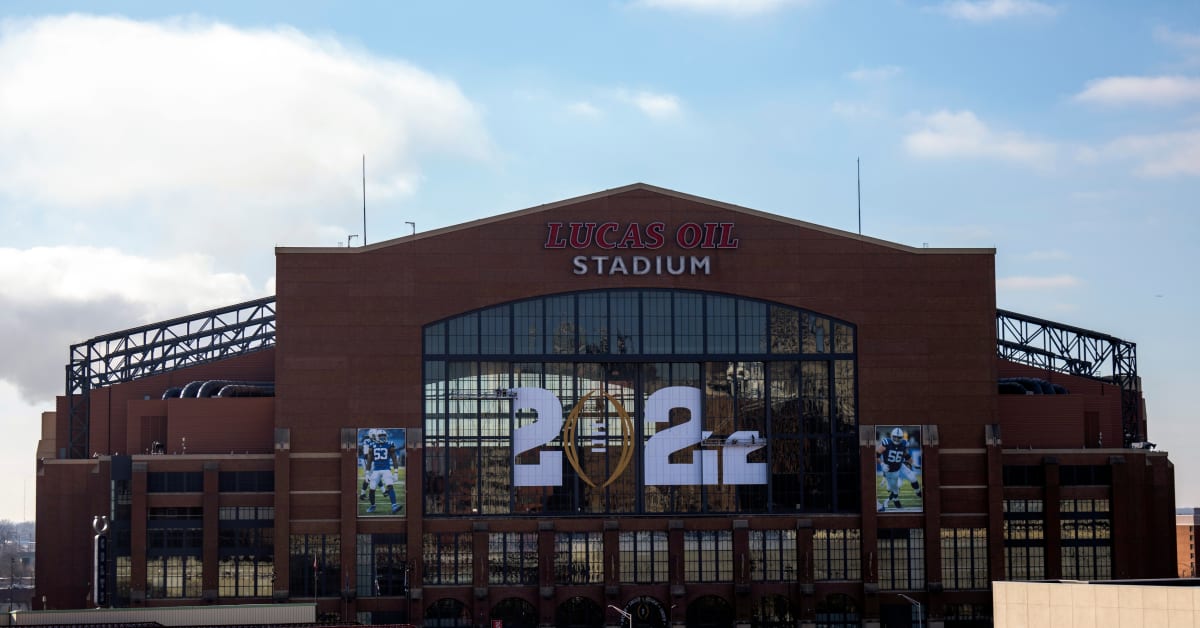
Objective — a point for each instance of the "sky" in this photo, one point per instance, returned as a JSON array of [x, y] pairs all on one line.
[[153, 154]]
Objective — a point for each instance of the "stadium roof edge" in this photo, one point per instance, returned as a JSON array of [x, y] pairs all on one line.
[[633, 187]]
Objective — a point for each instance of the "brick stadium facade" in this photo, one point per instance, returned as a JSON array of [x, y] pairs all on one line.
[[636, 406]]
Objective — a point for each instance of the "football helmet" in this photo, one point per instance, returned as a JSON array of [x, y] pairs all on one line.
[[898, 434]]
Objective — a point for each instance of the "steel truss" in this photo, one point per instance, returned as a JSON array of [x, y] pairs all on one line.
[[132, 354], [250, 326], [1074, 351]]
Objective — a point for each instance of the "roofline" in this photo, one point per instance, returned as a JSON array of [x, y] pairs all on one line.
[[621, 190]]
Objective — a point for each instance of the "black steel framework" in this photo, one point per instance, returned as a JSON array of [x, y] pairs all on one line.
[[135, 353], [1075, 351]]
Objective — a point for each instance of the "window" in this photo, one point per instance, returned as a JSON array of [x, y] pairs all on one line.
[[708, 556], [448, 558], [175, 482], [1085, 475], [246, 481], [246, 576], [381, 565], [578, 558], [964, 558], [901, 559], [1024, 475], [773, 556], [644, 557], [837, 554], [793, 384], [1086, 535], [174, 576], [512, 558], [1024, 540], [316, 564]]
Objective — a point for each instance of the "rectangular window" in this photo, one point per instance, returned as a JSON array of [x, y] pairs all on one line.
[[528, 335], [656, 322], [245, 576], [708, 556], [560, 325], [752, 327], [578, 558], [625, 329], [246, 481], [722, 324], [837, 554], [175, 482], [493, 332], [1024, 540], [901, 559], [1024, 475], [382, 565], [174, 577], [513, 558], [773, 556], [448, 558], [464, 335], [644, 557], [1085, 529], [315, 565], [689, 323], [785, 330], [964, 558]]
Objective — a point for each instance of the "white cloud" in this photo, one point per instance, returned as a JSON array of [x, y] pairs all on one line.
[[584, 109], [948, 134], [1156, 155], [652, 104], [53, 297], [989, 10], [1054, 282], [257, 135], [880, 73], [1185, 41], [738, 8], [1141, 90]]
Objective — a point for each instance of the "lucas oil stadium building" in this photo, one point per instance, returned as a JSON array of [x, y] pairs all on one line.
[[636, 407]]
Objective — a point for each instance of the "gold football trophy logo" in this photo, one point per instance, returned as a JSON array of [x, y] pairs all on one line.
[[571, 427]]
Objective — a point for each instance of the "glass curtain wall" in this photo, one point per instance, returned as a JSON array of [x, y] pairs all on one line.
[[640, 402]]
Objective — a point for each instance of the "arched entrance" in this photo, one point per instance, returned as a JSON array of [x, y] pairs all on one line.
[[515, 613], [774, 611], [579, 612], [710, 611], [447, 613]]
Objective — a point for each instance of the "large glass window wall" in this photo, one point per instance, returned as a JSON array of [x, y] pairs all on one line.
[[640, 401]]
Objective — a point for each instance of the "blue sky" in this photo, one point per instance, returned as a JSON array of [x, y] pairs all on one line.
[[152, 154]]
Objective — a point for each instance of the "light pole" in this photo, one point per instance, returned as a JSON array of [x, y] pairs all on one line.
[[920, 611], [624, 613]]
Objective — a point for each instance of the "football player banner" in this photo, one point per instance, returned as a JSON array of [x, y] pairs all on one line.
[[381, 472], [898, 468]]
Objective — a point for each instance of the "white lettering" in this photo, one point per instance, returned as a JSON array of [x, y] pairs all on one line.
[[580, 263], [618, 266], [641, 265]]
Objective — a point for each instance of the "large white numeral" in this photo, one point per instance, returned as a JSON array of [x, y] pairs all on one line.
[[735, 459], [549, 423], [659, 470]]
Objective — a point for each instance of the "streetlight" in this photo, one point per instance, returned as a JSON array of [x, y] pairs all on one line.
[[920, 611], [624, 613]]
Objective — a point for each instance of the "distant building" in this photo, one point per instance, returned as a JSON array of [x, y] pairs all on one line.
[[637, 405], [1186, 521]]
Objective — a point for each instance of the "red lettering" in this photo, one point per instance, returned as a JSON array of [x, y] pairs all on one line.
[[688, 235], [581, 234], [554, 237], [727, 239], [709, 241], [654, 235], [607, 227], [633, 237]]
